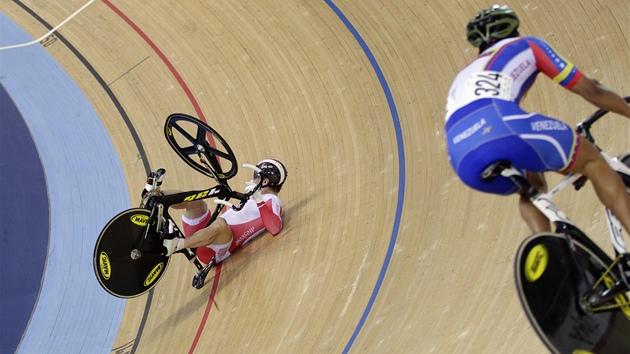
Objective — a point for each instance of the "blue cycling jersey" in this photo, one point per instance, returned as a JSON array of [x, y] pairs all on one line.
[[485, 124]]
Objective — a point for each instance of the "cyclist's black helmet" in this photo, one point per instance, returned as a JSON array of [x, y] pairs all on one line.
[[490, 25], [273, 170]]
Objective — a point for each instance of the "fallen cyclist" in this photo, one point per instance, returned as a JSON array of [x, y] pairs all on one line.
[[231, 229]]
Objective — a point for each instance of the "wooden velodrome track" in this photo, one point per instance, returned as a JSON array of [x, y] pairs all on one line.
[[383, 249]]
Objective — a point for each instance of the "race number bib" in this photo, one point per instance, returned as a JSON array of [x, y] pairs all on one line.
[[488, 84]]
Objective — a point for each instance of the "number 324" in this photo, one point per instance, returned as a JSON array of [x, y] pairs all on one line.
[[488, 84]]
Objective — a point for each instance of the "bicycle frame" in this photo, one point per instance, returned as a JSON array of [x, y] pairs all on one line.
[[573, 292], [543, 201], [133, 240], [159, 205], [564, 225]]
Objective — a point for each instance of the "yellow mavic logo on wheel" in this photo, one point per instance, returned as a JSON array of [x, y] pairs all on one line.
[[139, 219], [536, 262], [154, 274], [106, 268]]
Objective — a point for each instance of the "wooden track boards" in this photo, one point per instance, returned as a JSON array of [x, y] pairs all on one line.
[[288, 79]]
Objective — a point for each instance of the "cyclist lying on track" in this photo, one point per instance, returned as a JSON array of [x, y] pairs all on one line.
[[232, 229], [485, 124]]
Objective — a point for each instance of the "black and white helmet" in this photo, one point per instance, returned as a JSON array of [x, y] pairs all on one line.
[[273, 170], [491, 25]]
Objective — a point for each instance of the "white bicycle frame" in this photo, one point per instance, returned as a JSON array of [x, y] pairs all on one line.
[[543, 202]]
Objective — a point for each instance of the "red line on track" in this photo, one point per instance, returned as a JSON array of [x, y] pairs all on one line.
[[193, 101], [157, 50], [215, 286]]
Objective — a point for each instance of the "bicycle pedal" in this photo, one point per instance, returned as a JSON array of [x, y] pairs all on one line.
[[198, 283], [199, 280]]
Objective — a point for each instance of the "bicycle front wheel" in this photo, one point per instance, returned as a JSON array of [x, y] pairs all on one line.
[[551, 288]]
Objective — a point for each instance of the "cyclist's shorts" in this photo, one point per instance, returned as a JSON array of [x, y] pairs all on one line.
[[206, 253], [487, 131]]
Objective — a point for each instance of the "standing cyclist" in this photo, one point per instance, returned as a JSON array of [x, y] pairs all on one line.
[[485, 124]]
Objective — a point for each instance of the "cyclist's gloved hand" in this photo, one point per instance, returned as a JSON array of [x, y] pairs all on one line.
[[253, 186], [173, 245]]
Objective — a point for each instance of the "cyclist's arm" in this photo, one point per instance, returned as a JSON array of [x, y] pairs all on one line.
[[600, 96], [271, 221]]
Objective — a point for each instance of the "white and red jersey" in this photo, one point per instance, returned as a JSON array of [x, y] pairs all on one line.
[[253, 219], [247, 223]]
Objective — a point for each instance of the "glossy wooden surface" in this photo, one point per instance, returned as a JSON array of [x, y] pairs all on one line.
[[383, 249]]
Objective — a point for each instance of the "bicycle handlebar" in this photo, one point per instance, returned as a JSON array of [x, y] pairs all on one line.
[[222, 191], [584, 127]]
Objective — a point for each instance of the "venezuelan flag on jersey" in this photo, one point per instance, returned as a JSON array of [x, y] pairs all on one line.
[[552, 64], [515, 58], [513, 64]]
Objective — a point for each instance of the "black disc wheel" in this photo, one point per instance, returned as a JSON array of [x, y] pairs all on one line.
[[124, 265], [552, 290], [200, 146]]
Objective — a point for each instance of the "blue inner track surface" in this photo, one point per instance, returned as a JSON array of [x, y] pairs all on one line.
[[85, 187]]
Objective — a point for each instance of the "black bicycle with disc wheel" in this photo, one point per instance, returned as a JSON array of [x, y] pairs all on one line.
[[555, 281], [129, 257], [573, 293]]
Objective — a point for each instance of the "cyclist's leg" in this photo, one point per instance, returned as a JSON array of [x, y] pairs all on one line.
[[212, 241], [477, 140], [551, 147], [199, 235], [208, 240], [607, 184], [194, 209], [485, 136], [195, 220], [535, 220]]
